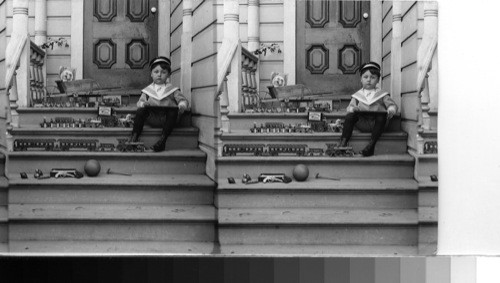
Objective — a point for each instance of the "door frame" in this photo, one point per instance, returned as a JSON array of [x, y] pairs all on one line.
[[77, 23]]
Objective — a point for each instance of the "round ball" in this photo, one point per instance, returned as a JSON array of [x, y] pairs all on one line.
[[300, 172], [92, 168]]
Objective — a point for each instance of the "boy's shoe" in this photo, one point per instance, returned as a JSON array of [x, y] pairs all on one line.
[[343, 142], [369, 150], [134, 137], [160, 144]]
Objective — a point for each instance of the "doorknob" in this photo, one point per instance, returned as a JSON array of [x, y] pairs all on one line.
[[365, 16], [153, 10]]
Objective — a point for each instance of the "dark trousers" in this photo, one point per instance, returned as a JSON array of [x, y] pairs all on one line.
[[374, 122], [159, 118]]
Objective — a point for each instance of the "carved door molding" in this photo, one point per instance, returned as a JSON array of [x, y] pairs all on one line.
[[333, 40], [120, 38]]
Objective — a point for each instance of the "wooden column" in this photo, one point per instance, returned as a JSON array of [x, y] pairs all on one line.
[[76, 45], [163, 14], [289, 40], [187, 48], [20, 27], [376, 31], [396, 52], [40, 22], [253, 25], [232, 32], [41, 38], [253, 28]]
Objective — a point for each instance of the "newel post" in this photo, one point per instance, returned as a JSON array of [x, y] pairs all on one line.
[[232, 32], [20, 27]]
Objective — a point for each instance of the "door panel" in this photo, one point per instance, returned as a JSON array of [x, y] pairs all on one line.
[[333, 40], [120, 38]]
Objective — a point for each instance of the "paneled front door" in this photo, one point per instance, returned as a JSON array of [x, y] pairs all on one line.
[[333, 40], [120, 38]]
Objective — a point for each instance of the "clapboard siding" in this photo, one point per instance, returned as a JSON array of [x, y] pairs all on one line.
[[409, 105], [201, 101], [409, 50], [409, 23], [205, 122], [204, 73], [386, 7]]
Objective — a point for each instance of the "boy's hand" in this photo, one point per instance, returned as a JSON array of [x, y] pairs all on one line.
[[182, 108], [352, 109], [390, 112], [144, 104]]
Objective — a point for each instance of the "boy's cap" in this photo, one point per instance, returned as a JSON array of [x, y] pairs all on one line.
[[160, 59], [369, 65]]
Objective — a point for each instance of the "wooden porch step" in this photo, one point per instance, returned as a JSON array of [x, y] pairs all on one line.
[[425, 165], [111, 231], [325, 250], [389, 143], [181, 138], [316, 216], [182, 161], [111, 213], [132, 247], [320, 193], [383, 166], [391, 235], [244, 121], [34, 116], [146, 189]]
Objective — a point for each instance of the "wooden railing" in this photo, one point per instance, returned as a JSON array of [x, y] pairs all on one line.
[[427, 58], [249, 65], [13, 55], [37, 81]]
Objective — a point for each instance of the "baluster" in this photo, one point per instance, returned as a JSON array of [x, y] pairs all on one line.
[[253, 99], [32, 77], [224, 107], [244, 83], [253, 80]]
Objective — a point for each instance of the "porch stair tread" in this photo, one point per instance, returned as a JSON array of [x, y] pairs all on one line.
[[4, 182], [4, 214], [428, 214], [143, 180], [334, 250], [111, 212], [174, 153], [111, 131], [332, 136], [58, 247], [325, 185], [377, 158], [316, 216]]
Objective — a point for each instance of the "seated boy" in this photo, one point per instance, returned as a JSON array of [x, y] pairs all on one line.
[[369, 109], [159, 104]]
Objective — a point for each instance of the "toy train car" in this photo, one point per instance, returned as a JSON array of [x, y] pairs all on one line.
[[72, 144], [34, 144], [252, 149], [78, 144], [287, 149], [332, 150]]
